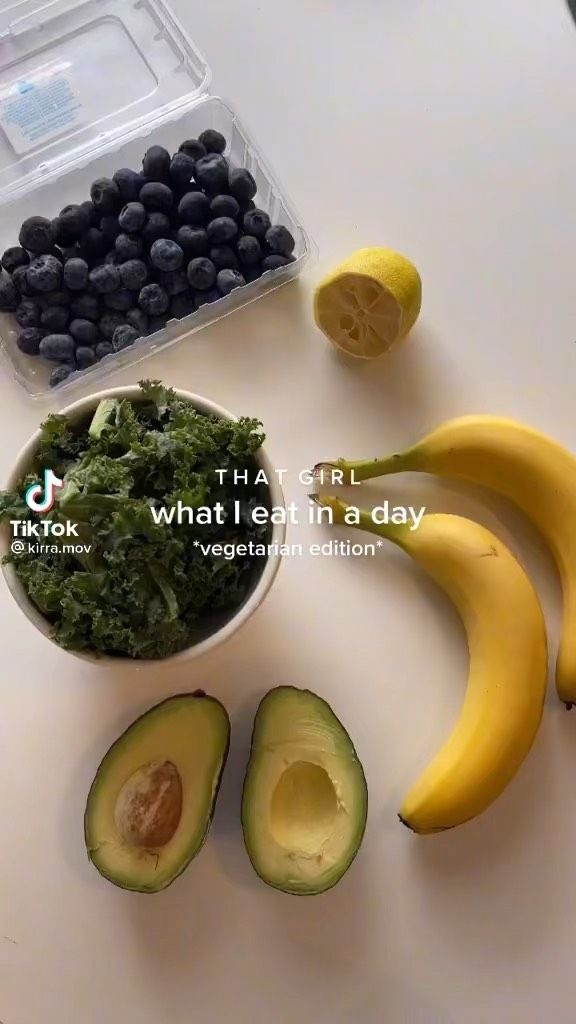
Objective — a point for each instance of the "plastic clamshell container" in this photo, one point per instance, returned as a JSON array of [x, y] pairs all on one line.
[[86, 86]]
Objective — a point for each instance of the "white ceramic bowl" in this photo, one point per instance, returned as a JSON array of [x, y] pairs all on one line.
[[77, 411]]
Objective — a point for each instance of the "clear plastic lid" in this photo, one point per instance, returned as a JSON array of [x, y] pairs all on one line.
[[78, 74], [86, 86]]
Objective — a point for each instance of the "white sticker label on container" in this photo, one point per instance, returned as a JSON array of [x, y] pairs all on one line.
[[36, 109]]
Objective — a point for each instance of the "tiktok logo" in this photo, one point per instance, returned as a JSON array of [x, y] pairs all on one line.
[[41, 497]]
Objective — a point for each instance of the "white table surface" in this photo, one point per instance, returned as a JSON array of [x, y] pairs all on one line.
[[444, 129]]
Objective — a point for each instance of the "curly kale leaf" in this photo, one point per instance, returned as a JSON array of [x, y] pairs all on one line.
[[145, 590]]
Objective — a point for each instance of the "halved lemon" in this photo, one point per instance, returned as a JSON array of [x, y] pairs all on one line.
[[369, 301]]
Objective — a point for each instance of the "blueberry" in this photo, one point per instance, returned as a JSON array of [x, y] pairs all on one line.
[[29, 340], [153, 300], [55, 319], [225, 206], [256, 222], [252, 273], [92, 212], [57, 298], [62, 236], [110, 228], [129, 183], [20, 281], [58, 347], [241, 183], [213, 141], [129, 247], [70, 252], [84, 332], [134, 274], [211, 173], [228, 280], [157, 197], [104, 348], [194, 241], [45, 274], [157, 226], [201, 273], [113, 258], [105, 195], [109, 322], [249, 250], [121, 300], [14, 258], [181, 306], [181, 171], [157, 323], [194, 208], [192, 148], [37, 235], [137, 318], [60, 373], [222, 230], [73, 221], [246, 205], [279, 240], [57, 254], [275, 261], [211, 295], [174, 282], [76, 274], [156, 164], [166, 255], [28, 313], [85, 357], [92, 245], [124, 336], [105, 279], [86, 307], [132, 218], [223, 257]]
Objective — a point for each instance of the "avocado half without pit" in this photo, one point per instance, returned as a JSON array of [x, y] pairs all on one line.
[[305, 800], [151, 803]]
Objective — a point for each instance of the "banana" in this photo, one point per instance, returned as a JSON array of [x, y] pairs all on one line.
[[530, 469], [508, 665]]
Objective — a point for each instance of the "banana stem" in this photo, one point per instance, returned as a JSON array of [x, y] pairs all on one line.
[[343, 471], [360, 519]]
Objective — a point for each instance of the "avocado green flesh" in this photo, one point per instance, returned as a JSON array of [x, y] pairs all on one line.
[[305, 800], [192, 732]]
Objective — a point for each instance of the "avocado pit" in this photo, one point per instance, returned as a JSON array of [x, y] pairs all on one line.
[[149, 805]]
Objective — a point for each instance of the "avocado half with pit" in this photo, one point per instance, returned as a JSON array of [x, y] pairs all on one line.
[[305, 799], [150, 806]]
